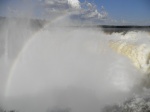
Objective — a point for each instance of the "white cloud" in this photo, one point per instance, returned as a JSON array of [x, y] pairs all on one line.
[[51, 9], [89, 11], [74, 3], [56, 5], [61, 3], [82, 11], [87, 14]]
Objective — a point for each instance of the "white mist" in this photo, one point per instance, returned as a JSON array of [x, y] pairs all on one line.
[[69, 68]]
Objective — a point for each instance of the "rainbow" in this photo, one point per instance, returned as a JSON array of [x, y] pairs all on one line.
[[18, 57]]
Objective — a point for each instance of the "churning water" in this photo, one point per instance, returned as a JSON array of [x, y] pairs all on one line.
[[66, 69]]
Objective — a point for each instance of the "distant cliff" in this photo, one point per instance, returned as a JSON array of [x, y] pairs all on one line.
[[109, 29]]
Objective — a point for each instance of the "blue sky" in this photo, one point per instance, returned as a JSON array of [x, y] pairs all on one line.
[[127, 10], [131, 10]]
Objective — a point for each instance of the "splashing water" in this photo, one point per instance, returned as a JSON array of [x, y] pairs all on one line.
[[63, 69], [140, 55], [69, 68]]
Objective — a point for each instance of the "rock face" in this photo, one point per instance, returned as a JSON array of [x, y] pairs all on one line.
[[133, 105]]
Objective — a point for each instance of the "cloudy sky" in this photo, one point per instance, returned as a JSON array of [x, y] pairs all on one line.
[[125, 11]]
